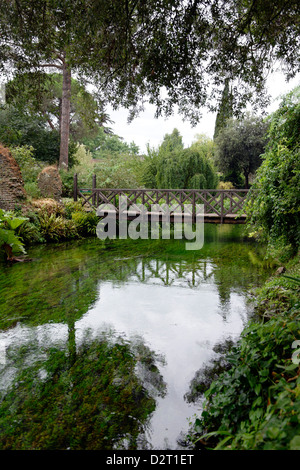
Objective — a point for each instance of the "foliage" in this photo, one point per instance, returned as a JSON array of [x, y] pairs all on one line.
[[45, 101], [172, 166], [18, 128], [49, 221], [30, 167], [10, 243], [274, 209], [107, 144], [55, 222], [86, 222], [225, 108], [225, 185], [255, 403], [205, 146], [188, 48], [56, 228], [118, 171], [239, 146], [186, 169]]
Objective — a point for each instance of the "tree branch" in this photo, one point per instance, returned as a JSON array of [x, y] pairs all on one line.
[[51, 65]]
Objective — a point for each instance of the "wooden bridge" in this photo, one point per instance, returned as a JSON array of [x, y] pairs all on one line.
[[219, 206]]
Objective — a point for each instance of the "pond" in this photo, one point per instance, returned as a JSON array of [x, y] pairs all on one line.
[[102, 345]]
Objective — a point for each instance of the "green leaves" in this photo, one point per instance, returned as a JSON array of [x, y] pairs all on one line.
[[274, 209], [172, 166], [257, 401], [9, 241]]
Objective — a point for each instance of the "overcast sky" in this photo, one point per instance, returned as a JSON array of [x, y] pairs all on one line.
[[146, 129]]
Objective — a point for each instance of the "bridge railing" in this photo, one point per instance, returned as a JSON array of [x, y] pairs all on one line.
[[220, 203]]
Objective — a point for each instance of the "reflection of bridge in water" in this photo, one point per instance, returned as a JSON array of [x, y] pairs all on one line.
[[197, 274], [166, 273], [218, 206]]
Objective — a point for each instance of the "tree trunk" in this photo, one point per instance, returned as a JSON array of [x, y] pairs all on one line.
[[65, 118]]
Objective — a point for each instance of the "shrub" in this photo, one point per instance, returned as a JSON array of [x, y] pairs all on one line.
[[225, 185], [32, 190], [255, 405], [56, 228], [85, 222], [30, 167]]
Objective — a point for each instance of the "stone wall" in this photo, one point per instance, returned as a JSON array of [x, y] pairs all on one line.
[[49, 183], [12, 190]]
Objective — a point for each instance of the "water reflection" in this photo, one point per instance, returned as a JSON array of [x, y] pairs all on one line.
[[113, 325], [93, 398]]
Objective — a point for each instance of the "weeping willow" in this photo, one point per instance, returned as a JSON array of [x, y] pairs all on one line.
[[185, 169]]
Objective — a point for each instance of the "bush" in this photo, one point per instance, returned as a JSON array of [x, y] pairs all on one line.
[[256, 404], [85, 222], [32, 190], [29, 166], [56, 228]]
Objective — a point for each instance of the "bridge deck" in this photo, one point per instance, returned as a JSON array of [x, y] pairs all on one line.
[[175, 217]]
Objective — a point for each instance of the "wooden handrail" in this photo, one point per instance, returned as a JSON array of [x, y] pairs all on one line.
[[222, 203]]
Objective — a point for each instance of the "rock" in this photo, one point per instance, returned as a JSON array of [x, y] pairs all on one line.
[[280, 270], [49, 183], [12, 190]]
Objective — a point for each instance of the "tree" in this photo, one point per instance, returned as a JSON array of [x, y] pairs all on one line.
[[181, 168], [18, 128], [240, 144], [205, 146], [86, 114], [225, 109], [185, 169], [105, 143], [132, 48], [78, 37], [171, 142]]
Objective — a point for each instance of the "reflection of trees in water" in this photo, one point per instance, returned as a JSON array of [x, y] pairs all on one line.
[[201, 382], [63, 284], [94, 400], [209, 372]]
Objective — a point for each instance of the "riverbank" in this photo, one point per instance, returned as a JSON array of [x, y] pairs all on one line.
[[255, 405]]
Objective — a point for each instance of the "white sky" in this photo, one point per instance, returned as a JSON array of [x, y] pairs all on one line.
[[146, 129]]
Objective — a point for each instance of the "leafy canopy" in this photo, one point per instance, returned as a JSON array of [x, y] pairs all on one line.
[[131, 49]]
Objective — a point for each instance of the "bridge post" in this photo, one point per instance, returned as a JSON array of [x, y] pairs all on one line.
[[222, 207], [94, 190], [194, 208]]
